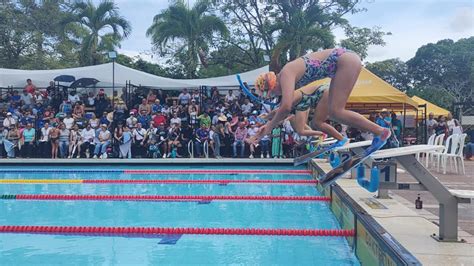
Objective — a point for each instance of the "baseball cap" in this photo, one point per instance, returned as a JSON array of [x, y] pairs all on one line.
[[9, 113]]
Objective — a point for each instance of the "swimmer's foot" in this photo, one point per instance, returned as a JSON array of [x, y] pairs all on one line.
[[341, 142], [379, 141]]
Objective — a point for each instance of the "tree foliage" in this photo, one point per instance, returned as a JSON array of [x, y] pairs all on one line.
[[394, 71]]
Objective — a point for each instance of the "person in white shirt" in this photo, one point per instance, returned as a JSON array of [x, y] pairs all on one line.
[[44, 141], [73, 97], [246, 107], [131, 121], [38, 98], [184, 97], [68, 121], [251, 133], [87, 139], [139, 135], [103, 142], [9, 121], [431, 124], [230, 97], [27, 99], [175, 119]]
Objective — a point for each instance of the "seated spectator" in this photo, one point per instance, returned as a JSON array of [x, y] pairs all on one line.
[[196, 97], [65, 107], [230, 97], [44, 144], [174, 140], [73, 98], [175, 119], [186, 136], [442, 126], [144, 107], [162, 133], [246, 107], [51, 88], [11, 140], [27, 99], [175, 108], [63, 141], [240, 135], [38, 97], [159, 119], [156, 106], [68, 121], [193, 118], [75, 141], [184, 97], [103, 119], [9, 121], [139, 136], [131, 121], [78, 111], [28, 136], [151, 97], [38, 110], [251, 133], [94, 122], [215, 96], [144, 119], [54, 138], [30, 87], [120, 110], [205, 120], [90, 100], [201, 136], [87, 139], [102, 142]]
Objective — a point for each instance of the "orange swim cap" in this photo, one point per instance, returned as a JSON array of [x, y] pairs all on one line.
[[266, 81]]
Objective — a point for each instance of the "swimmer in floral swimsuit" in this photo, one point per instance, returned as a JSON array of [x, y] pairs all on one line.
[[343, 67]]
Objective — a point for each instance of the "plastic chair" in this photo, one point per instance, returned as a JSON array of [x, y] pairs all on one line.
[[437, 141], [455, 153], [449, 146], [431, 140], [191, 149]]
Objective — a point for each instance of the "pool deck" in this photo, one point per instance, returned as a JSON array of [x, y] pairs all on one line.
[[412, 228], [149, 161]]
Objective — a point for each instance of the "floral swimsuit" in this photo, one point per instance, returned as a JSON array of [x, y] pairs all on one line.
[[316, 70]]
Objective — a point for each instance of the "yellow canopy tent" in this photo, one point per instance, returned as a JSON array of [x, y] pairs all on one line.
[[430, 107], [373, 93]]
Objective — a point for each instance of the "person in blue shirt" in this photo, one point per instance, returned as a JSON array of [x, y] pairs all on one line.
[[144, 119], [104, 120], [202, 134], [29, 134], [396, 126]]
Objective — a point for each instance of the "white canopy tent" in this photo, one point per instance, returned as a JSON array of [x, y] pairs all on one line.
[[103, 73]]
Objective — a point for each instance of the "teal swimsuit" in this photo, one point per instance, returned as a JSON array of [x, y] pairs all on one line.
[[310, 100]]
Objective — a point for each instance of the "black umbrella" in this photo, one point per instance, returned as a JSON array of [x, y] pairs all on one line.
[[65, 78], [84, 82]]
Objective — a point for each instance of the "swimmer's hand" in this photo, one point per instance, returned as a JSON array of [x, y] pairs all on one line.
[[262, 131]]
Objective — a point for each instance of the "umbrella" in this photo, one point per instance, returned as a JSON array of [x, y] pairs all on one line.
[[84, 82], [65, 78]]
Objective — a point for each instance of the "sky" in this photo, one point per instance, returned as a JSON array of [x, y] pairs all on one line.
[[412, 23]]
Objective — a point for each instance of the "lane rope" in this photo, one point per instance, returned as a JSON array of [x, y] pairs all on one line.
[[159, 197], [156, 181], [147, 231], [151, 171]]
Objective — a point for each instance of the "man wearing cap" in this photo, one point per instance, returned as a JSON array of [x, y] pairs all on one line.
[[131, 121], [139, 136], [251, 132], [9, 121]]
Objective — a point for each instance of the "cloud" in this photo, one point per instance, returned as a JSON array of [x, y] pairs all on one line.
[[463, 20]]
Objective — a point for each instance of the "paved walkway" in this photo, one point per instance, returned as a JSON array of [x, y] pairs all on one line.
[[430, 205]]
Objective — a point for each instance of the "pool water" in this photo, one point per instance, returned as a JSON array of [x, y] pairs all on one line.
[[27, 249]]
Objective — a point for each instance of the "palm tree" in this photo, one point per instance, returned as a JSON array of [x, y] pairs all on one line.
[[190, 29], [90, 24]]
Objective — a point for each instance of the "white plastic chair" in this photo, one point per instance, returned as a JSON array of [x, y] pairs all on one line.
[[449, 146], [438, 140], [191, 149], [431, 140], [455, 153]]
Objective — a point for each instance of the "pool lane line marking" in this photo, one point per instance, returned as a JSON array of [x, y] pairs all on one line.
[[65, 197], [160, 231], [157, 181], [145, 171]]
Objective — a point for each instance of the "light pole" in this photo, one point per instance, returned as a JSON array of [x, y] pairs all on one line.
[[112, 55]]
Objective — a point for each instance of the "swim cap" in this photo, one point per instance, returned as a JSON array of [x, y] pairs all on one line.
[[266, 81]]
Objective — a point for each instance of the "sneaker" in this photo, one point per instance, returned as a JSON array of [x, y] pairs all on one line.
[[164, 156], [69, 157], [77, 157], [261, 156], [251, 156], [268, 155], [104, 156], [379, 141], [95, 157]]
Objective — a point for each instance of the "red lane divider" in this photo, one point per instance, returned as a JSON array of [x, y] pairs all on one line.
[[166, 197], [161, 230], [242, 171], [187, 181]]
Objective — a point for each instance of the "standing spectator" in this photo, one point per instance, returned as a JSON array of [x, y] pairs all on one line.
[[75, 141], [54, 138], [201, 136], [196, 97], [162, 139], [51, 88], [457, 129], [431, 124], [27, 99], [151, 97], [125, 147], [252, 132], [11, 141], [161, 96], [3, 134], [186, 136], [174, 143], [204, 120], [144, 107], [139, 136], [216, 139], [101, 102], [230, 97], [73, 98], [87, 136], [193, 117], [451, 123], [184, 97], [90, 102], [277, 147], [63, 140], [246, 107], [9, 121], [68, 121], [215, 97], [120, 110], [30, 87], [442, 126], [397, 127], [470, 145], [28, 134], [103, 142], [44, 145], [239, 139]]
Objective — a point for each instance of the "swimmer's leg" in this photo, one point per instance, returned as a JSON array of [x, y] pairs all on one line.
[[321, 114], [298, 122]]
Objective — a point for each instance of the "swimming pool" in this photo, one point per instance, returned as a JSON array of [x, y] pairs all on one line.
[[283, 198]]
